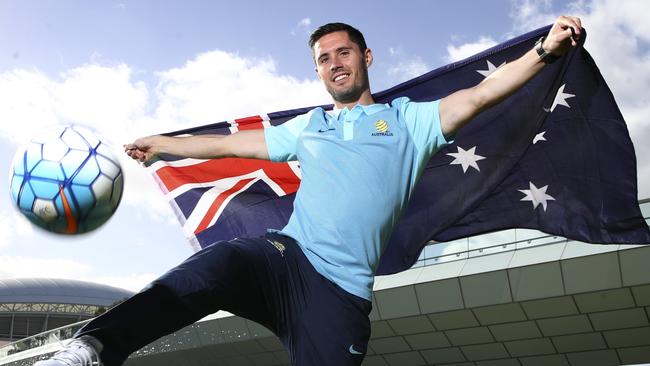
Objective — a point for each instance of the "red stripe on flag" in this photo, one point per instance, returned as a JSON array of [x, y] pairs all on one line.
[[212, 211], [249, 123], [211, 170]]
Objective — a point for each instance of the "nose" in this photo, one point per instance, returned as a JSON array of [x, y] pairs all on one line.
[[335, 63]]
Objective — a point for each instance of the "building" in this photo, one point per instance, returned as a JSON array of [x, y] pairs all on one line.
[[516, 297], [32, 306]]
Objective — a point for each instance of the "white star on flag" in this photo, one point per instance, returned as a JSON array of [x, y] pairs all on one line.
[[490, 69], [560, 98], [466, 158], [536, 195], [539, 137]]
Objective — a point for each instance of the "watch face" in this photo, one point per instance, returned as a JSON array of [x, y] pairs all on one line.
[[546, 57], [540, 50]]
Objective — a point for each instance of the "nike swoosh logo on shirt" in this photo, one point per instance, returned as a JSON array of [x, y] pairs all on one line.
[[354, 351]]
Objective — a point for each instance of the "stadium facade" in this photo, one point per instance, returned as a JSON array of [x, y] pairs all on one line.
[[517, 297], [32, 306]]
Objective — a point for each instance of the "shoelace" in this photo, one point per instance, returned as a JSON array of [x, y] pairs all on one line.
[[78, 353]]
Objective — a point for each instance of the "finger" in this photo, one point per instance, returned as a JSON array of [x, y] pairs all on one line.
[[576, 31], [569, 30], [578, 22], [136, 154], [566, 22], [574, 22], [563, 34], [572, 36]]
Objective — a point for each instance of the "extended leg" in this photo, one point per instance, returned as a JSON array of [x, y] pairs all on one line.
[[215, 278]]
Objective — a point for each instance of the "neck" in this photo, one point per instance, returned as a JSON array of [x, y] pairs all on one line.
[[365, 99]]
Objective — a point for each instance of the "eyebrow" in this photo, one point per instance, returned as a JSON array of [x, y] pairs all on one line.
[[336, 50]]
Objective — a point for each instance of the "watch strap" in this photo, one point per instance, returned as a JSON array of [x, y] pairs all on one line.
[[545, 56]]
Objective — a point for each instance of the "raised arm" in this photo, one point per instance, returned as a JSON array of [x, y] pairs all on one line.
[[460, 107], [242, 144]]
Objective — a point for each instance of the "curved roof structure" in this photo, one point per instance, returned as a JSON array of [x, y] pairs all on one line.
[[33, 305], [58, 291]]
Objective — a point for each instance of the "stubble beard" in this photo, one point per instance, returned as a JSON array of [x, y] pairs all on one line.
[[354, 92]]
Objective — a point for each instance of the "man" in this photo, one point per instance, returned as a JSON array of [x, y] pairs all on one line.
[[311, 281]]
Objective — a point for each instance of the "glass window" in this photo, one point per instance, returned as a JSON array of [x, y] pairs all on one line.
[[445, 252], [645, 209], [492, 239], [541, 238]]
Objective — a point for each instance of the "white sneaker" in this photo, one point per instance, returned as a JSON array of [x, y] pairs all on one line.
[[82, 351]]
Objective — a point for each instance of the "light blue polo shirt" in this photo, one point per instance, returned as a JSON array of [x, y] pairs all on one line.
[[358, 169]]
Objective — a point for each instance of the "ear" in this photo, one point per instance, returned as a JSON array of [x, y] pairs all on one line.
[[368, 57]]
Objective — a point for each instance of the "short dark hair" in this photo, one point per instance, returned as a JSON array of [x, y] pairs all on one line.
[[353, 33]]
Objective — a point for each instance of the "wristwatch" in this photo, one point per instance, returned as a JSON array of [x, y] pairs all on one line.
[[545, 56]]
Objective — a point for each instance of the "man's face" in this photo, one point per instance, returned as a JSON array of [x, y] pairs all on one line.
[[342, 66]]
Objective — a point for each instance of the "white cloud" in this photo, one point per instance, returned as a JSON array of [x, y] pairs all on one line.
[[134, 282], [408, 69], [104, 98], [303, 24], [457, 53], [13, 226], [219, 85], [64, 268], [21, 267], [212, 87], [403, 67], [530, 14]]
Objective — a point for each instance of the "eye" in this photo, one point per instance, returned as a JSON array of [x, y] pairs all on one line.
[[323, 60]]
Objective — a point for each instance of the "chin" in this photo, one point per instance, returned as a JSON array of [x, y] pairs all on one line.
[[347, 96]]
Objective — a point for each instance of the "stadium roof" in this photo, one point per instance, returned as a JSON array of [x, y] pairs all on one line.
[[58, 291]]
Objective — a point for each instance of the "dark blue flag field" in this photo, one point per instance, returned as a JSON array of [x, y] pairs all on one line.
[[556, 156]]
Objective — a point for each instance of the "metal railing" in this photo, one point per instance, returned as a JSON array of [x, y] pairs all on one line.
[[45, 308], [435, 253], [50, 337], [506, 241]]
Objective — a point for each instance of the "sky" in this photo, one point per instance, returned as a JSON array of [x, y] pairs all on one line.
[[134, 68]]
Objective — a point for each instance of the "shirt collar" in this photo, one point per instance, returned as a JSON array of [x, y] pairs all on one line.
[[356, 111]]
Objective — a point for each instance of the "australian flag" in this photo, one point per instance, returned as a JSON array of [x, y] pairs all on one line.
[[556, 156]]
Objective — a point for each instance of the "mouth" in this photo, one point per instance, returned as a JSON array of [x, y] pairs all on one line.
[[340, 77]]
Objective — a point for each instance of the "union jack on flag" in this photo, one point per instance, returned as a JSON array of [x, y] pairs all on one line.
[[555, 156], [201, 191]]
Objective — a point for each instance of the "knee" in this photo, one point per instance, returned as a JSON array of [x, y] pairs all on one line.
[[202, 271]]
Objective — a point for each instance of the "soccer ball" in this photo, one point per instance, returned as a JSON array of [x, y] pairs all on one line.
[[66, 180]]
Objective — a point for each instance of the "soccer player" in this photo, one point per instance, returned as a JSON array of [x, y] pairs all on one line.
[[311, 281]]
